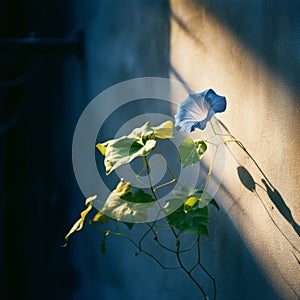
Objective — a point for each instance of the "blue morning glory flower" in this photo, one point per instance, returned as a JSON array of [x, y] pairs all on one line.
[[195, 111]]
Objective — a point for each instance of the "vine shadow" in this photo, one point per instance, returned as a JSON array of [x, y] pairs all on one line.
[[248, 182], [278, 201]]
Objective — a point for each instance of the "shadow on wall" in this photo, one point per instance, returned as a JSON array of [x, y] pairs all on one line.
[[278, 201], [249, 183], [275, 199]]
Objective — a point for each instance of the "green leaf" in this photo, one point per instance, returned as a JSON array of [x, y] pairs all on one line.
[[164, 131], [123, 204], [193, 221], [201, 147], [190, 203], [123, 150], [138, 143], [193, 215], [101, 218], [129, 225], [79, 223], [187, 152], [191, 151], [103, 243], [139, 197], [204, 199], [146, 132], [183, 193]]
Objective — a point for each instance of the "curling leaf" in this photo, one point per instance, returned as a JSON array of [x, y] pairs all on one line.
[[79, 223], [123, 204], [103, 243], [122, 151], [164, 131], [138, 143], [101, 218]]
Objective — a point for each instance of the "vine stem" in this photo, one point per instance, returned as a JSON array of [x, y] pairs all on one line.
[[156, 238], [172, 173], [209, 172], [205, 270], [241, 145], [189, 274], [134, 244], [149, 178]]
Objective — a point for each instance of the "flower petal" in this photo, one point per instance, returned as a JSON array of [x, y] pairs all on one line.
[[198, 109]]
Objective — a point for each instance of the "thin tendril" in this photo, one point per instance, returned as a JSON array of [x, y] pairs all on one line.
[[176, 236], [241, 145], [172, 174], [164, 184], [209, 173], [141, 250]]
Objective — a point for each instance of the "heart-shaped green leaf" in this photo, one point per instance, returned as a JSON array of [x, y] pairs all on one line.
[[122, 151], [193, 215], [201, 147], [192, 221], [191, 151], [123, 204], [164, 131], [138, 143]]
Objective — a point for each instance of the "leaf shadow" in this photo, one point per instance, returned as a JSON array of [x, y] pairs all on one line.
[[278, 201], [246, 178], [248, 182]]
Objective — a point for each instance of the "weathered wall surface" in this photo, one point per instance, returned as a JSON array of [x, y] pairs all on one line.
[[249, 52], [238, 51], [123, 40], [246, 50]]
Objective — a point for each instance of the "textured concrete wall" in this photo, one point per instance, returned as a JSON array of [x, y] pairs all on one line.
[[225, 47], [246, 51], [123, 40], [249, 52]]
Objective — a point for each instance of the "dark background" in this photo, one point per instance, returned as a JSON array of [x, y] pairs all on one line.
[[35, 170], [43, 91]]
